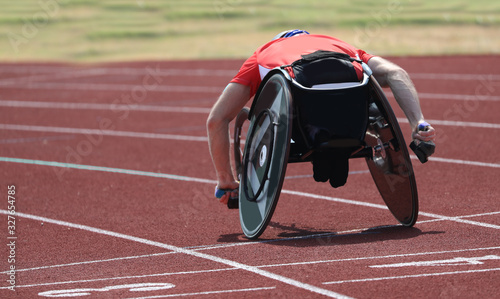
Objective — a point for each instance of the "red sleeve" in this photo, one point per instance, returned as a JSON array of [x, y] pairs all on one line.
[[364, 56], [249, 74]]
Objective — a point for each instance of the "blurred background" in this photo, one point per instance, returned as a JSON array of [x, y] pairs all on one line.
[[118, 30]]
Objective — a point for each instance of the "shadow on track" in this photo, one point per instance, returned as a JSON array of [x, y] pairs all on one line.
[[305, 237]]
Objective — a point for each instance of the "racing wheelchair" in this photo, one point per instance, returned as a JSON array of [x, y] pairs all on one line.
[[300, 113]]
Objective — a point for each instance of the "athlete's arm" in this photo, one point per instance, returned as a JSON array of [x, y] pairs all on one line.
[[227, 107], [393, 76]]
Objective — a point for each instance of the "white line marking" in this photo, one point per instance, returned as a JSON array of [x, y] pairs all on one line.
[[460, 162], [336, 199], [210, 247], [37, 139], [102, 132], [209, 293], [96, 106], [458, 261], [63, 75], [202, 247], [412, 276], [207, 89], [460, 220], [120, 278], [214, 72], [392, 256], [465, 77], [133, 287], [14, 127], [465, 124], [205, 256], [262, 266], [378, 206], [122, 71], [110, 169], [479, 215], [91, 262], [455, 97], [115, 87], [157, 108], [462, 217], [464, 162], [184, 178], [184, 138]]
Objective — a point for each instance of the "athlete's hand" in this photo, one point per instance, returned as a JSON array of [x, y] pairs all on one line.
[[224, 194], [424, 132], [423, 141], [228, 194]]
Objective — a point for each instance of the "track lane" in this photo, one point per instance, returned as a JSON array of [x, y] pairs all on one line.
[[439, 196]]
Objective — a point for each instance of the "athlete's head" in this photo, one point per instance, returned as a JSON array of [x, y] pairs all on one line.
[[290, 33]]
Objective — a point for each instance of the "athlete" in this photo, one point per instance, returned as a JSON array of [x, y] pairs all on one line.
[[285, 48]]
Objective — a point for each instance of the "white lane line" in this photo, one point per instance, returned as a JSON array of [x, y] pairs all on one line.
[[62, 75], [456, 261], [231, 269], [102, 132], [116, 87], [122, 71], [92, 262], [177, 109], [412, 276], [460, 97], [464, 77], [461, 162], [110, 170], [454, 97], [241, 266], [465, 124], [460, 220], [104, 107], [223, 246], [208, 89], [14, 127], [462, 217], [378, 206], [213, 72], [336, 199], [184, 178], [36, 139], [266, 266], [202, 247], [120, 278], [208, 293], [392, 256], [479, 215]]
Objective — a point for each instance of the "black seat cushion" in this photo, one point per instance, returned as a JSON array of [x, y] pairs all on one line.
[[323, 67], [323, 115]]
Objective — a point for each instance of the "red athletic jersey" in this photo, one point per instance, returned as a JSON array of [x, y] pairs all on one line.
[[284, 51]]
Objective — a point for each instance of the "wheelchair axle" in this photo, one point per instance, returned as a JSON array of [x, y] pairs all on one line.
[[375, 151]]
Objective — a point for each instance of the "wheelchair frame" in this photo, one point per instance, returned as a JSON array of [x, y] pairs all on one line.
[[262, 165]]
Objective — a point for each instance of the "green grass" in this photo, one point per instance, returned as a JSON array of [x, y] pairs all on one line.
[[93, 30]]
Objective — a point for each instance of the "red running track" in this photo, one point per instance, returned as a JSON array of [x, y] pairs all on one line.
[[113, 193]]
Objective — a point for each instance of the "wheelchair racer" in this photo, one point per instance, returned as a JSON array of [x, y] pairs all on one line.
[[285, 48]]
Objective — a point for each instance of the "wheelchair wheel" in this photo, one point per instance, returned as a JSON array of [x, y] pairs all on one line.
[[391, 167], [265, 154]]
